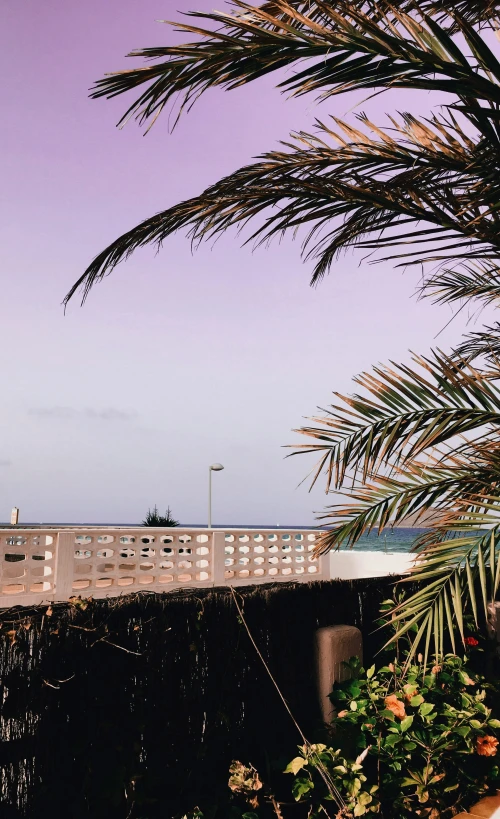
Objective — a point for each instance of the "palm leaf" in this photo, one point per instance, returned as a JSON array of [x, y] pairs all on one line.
[[459, 567], [404, 412], [341, 196], [484, 344], [373, 193], [346, 45]]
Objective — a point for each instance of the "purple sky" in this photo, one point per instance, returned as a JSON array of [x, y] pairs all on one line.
[[177, 360]]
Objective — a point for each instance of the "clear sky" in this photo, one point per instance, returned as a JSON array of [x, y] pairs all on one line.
[[177, 360]]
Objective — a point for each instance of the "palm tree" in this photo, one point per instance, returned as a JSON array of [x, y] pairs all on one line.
[[417, 191]]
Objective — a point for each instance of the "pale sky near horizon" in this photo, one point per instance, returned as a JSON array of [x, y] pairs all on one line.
[[178, 359]]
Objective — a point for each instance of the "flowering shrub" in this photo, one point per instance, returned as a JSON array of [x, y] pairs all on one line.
[[424, 744]]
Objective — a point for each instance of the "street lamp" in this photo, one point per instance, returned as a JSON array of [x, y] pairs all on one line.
[[213, 468]]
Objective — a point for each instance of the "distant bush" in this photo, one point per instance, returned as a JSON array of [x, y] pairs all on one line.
[[153, 518]]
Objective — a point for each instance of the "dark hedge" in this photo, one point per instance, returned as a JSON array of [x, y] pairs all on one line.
[[134, 707]]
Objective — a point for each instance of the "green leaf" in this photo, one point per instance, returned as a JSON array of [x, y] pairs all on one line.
[[391, 740], [406, 723], [296, 765], [425, 709], [417, 700], [300, 787], [494, 723], [370, 672]]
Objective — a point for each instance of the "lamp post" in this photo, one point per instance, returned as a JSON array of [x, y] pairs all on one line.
[[213, 468]]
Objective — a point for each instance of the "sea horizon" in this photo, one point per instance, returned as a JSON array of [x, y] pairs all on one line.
[[397, 539]]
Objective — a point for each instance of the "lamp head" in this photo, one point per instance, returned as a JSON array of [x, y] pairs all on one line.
[[216, 467]]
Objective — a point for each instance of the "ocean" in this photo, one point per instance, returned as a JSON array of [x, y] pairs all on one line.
[[393, 540]]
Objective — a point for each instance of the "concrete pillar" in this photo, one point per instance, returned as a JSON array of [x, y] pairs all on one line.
[[334, 645], [494, 620], [487, 808]]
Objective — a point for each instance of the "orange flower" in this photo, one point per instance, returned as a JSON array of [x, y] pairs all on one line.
[[396, 706], [486, 746], [341, 714], [436, 669]]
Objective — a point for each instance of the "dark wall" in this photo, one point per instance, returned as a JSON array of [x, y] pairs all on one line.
[[133, 708]]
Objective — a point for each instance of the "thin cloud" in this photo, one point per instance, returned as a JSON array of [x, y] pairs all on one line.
[[110, 414], [70, 413], [5, 462]]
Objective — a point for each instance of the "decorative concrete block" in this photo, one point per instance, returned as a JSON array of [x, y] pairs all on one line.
[[334, 646]]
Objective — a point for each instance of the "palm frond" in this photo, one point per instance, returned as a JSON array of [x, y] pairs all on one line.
[[385, 502], [457, 567], [417, 440], [483, 344], [370, 189], [427, 188], [465, 281], [405, 412], [480, 13], [346, 45]]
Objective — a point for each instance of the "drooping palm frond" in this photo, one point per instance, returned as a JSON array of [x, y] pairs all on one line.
[[415, 191], [458, 566], [432, 185]]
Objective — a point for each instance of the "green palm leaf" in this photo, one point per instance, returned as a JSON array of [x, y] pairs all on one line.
[[420, 440], [457, 567], [404, 412]]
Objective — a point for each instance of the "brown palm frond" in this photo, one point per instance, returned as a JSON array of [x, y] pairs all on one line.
[[346, 45], [415, 183], [480, 13]]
